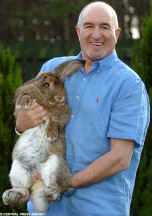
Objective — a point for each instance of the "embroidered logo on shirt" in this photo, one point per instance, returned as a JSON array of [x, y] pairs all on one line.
[[97, 100]]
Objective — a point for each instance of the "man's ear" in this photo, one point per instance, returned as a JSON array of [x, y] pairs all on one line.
[[77, 28], [117, 33]]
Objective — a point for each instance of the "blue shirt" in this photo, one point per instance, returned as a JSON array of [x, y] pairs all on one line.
[[108, 102]]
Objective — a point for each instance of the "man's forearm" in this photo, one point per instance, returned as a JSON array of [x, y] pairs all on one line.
[[100, 169], [107, 165]]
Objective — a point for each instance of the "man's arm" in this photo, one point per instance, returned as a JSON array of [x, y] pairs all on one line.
[[116, 160], [26, 119]]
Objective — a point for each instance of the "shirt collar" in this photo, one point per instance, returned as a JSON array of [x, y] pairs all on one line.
[[105, 63], [108, 61]]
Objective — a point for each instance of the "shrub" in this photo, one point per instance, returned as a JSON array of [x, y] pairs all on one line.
[[10, 79], [142, 63]]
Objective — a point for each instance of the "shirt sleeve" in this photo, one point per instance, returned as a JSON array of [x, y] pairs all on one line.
[[130, 112], [48, 66], [53, 63]]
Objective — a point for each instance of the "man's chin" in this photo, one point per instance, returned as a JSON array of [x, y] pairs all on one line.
[[96, 57]]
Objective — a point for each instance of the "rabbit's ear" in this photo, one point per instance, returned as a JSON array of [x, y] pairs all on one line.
[[66, 69], [17, 94], [14, 98]]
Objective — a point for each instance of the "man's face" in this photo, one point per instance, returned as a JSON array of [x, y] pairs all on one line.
[[97, 33]]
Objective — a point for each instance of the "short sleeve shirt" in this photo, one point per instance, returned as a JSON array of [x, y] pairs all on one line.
[[109, 102]]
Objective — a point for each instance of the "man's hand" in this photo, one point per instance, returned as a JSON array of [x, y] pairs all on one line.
[[26, 119]]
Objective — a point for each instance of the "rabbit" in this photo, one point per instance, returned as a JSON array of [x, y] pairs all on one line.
[[42, 148]]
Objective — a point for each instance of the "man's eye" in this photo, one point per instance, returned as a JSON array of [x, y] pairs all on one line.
[[88, 26], [105, 27]]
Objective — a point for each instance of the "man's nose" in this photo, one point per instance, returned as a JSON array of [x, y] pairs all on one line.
[[96, 34]]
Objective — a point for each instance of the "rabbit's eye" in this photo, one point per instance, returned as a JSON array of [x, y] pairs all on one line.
[[46, 84]]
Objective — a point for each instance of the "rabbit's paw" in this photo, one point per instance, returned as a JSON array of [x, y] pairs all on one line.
[[52, 193], [15, 196]]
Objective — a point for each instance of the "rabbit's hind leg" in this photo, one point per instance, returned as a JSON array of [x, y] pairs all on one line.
[[21, 181], [49, 174], [39, 198]]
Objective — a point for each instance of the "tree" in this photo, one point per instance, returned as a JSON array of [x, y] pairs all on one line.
[[55, 19], [10, 79], [142, 61]]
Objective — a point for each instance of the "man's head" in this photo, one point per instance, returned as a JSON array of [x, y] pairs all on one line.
[[97, 30]]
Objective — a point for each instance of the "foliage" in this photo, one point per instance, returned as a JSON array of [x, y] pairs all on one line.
[[10, 79], [31, 54], [142, 61], [55, 19]]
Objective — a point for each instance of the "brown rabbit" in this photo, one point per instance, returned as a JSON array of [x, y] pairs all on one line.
[[42, 148]]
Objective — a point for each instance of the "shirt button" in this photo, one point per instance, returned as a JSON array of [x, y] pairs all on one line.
[[137, 80], [72, 116], [78, 97], [84, 79]]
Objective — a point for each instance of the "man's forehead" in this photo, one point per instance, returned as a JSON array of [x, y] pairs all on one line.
[[94, 13], [97, 8], [99, 19]]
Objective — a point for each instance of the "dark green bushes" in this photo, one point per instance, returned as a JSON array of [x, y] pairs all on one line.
[[10, 79], [142, 63]]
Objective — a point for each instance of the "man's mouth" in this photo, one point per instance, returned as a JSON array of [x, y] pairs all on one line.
[[96, 43]]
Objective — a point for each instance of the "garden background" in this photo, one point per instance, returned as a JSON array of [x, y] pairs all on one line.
[[32, 32]]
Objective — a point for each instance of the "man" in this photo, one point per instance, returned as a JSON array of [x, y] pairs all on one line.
[[110, 116]]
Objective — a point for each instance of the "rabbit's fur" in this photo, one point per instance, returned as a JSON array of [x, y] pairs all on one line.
[[42, 148]]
